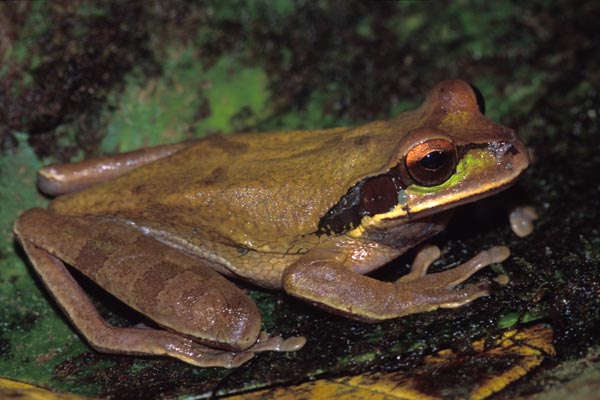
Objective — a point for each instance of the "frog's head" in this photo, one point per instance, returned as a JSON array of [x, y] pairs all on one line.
[[451, 154]]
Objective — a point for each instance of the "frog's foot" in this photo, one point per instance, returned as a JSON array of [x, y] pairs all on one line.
[[277, 343], [197, 354], [437, 290], [148, 341]]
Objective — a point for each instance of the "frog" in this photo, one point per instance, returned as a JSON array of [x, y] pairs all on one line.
[[168, 230]]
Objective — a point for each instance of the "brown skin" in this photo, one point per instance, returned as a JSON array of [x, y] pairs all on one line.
[[154, 229]]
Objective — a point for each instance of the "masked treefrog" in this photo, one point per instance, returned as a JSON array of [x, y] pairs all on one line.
[[309, 212]]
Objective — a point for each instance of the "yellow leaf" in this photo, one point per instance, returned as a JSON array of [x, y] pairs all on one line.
[[10, 389], [445, 374]]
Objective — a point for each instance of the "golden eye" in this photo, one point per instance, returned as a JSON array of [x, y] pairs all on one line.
[[431, 163]]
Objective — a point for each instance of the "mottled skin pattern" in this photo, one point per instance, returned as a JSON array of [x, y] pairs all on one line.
[[249, 206]]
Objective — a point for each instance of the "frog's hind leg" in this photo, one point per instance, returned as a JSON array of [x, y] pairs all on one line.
[[108, 339], [57, 179], [210, 321]]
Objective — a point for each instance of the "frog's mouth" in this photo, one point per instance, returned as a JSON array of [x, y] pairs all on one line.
[[481, 171]]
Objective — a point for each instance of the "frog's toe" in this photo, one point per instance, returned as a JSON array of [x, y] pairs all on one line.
[[498, 254], [450, 278], [457, 298], [202, 356], [277, 343], [238, 359], [221, 359], [424, 300], [293, 343], [521, 220], [424, 258]]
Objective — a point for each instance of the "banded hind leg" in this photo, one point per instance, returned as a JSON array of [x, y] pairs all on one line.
[[208, 321]]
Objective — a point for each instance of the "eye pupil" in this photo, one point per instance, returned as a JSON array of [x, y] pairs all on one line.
[[434, 160]]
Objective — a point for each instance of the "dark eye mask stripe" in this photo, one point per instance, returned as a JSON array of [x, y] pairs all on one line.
[[375, 195], [370, 196]]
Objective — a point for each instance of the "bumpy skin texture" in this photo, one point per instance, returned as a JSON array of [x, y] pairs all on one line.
[[250, 206]]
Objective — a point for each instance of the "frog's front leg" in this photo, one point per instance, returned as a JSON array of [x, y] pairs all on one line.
[[210, 322], [329, 280]]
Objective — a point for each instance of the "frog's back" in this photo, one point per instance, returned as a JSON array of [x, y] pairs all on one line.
[[269, 191], [259, 191]]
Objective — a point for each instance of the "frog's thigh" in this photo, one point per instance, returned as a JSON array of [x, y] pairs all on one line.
[[205, 302], [108, 339], [332, 285]]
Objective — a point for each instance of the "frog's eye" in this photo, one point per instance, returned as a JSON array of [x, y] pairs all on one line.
[[431, 163]]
